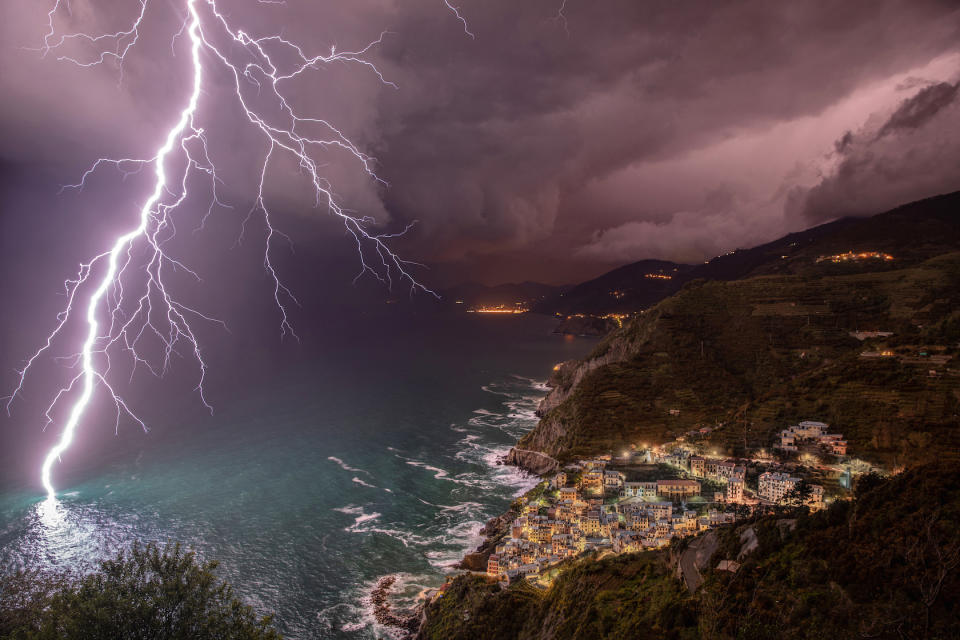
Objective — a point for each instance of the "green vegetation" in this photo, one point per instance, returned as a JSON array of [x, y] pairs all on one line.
[[590, 599], [755, 355], [147, 593], [884, 565]]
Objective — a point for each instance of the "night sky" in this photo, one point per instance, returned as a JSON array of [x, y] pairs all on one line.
[[549, 147]]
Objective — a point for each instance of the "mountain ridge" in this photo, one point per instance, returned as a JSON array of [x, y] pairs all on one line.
[[796, 252]]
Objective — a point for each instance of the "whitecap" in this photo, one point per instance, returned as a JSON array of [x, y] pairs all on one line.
[[343, 465]]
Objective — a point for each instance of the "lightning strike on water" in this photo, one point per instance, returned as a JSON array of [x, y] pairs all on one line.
[[131, 300]]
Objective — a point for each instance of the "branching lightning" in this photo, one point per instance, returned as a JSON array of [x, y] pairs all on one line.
[[456, 12], [124, 293]]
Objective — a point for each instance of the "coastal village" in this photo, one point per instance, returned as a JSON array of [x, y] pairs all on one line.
[[611, 504]]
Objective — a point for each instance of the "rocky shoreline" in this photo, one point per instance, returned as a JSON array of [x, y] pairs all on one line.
[[384, 614], [492, 532], [533, 462]]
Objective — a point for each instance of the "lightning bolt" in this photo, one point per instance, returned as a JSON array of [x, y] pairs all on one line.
[[561, 17], [456, 12], [124, 293]]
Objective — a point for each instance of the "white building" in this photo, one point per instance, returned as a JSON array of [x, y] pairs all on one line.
[[735, 490], [639, 489], [810, 429], [774, 486]]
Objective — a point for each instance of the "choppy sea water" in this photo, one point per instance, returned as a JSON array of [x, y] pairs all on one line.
[[375, 455]]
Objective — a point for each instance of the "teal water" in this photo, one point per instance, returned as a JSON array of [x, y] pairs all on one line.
[[375, 455]]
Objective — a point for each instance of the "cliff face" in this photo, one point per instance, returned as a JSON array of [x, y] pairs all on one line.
[[618, 346], [538, 450], [535, 462]]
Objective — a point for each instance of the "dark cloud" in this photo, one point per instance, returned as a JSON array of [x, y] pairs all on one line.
[[911, 155], [535, 151], [921, 108]]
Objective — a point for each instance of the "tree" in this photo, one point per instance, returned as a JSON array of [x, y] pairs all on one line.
[[146, 593], [799, 495]]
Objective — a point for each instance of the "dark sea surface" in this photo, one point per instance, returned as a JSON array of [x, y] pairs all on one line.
[[370, 452]]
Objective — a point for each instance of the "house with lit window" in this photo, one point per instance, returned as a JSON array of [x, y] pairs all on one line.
[[734, 492], [678, 488], [697, 468]]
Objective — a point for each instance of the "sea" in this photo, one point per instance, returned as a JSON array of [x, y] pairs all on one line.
[[371, 450]]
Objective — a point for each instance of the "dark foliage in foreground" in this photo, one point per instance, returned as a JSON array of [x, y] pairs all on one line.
[[146, 593]]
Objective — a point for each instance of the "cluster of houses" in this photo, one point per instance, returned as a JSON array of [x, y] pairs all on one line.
[[812, 431], [576, 520], [572, 517], [772, 487]]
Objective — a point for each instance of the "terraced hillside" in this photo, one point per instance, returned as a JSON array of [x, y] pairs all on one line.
[[753, 355], [912, 233]]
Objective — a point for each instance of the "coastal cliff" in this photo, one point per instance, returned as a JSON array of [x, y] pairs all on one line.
[[778, 343], [869, 347], [744, 358], [537, 452], [535, 462]]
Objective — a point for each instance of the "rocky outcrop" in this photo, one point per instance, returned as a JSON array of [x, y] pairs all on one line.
[[408, 623], [549, 435], [536, 462], [493, 532]]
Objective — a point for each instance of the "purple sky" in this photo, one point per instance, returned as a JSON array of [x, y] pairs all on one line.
[[541, 149]]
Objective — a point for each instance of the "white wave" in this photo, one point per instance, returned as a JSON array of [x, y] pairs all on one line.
[[343, 465], [489, 389], [459, 540], [439, 474], [350, 509], [463, 506], [403, 595], [364, 522], [362, 483]]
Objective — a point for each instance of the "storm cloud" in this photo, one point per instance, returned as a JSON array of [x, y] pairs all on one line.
[[553, 147], [913, 154]]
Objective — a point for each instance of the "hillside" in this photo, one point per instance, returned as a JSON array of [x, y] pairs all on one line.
[[628, 288], [881, 566], [756, 353], [913, 233]]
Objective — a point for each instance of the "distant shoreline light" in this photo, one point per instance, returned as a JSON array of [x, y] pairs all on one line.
[[500, 309], [850, 255]]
